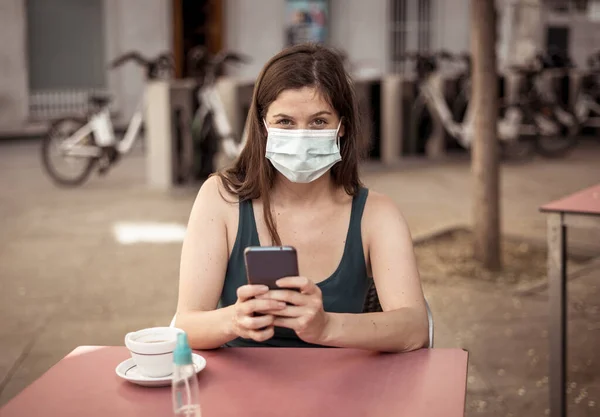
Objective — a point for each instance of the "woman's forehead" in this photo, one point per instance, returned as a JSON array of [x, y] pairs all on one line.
[[306, 100]]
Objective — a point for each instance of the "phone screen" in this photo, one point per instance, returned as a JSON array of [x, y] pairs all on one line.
[[266, 264]]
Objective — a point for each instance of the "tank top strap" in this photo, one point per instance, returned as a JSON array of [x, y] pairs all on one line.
[[355, 258], [247, 234], [358, 207]]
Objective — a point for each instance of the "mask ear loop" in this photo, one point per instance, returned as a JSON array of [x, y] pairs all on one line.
[[337, 137]]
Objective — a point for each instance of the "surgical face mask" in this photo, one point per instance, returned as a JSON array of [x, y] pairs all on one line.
[[303, 155]]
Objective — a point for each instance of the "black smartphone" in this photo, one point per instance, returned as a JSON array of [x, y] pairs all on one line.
[[266, 264]]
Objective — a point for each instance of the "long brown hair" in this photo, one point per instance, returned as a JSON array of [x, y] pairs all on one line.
[[304, 65]]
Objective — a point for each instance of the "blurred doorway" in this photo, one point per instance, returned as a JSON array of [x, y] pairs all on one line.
[[196, 23], [557, 40]]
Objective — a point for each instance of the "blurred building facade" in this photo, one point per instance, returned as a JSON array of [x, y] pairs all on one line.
[[57, 50], [55, 53]]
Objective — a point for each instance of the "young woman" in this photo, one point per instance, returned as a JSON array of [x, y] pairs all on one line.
[[296, 183]]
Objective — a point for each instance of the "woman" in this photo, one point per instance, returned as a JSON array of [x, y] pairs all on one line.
[[305, 193]]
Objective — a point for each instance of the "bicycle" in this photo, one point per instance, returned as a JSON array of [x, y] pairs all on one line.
[[428, 64], [211, 126], [557, 125], [84, 142], [521, 125], [430, 103], [587, 103]]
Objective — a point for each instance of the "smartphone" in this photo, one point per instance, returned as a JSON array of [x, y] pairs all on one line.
[[266, 264]]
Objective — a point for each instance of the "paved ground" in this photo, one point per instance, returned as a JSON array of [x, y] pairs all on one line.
[[65, 281]]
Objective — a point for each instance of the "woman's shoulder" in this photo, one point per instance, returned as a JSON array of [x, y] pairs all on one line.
[[215, 196], [381, 209], [380, 201]]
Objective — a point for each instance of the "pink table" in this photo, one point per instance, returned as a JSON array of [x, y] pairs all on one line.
[[579, 210], [260, 382]]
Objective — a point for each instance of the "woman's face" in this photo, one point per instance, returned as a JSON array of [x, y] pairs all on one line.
[[303, 108]]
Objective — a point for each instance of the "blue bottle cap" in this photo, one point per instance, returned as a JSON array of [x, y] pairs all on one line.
[[182, 354]]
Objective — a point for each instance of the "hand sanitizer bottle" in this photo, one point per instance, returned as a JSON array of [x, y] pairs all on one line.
[[185, 383]]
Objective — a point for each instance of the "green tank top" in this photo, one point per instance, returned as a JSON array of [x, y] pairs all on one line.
[[343, 292]]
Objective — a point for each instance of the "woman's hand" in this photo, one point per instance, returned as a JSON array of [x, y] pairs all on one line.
[[305, 315], [244, 322]]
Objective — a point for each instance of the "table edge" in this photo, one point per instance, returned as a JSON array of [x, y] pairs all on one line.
[[546, 207], [548, 210]]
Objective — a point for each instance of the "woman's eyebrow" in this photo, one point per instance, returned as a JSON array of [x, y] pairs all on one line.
[[320, 113]]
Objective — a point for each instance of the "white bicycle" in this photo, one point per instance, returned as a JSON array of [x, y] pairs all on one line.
[[74, 146], [522, 127], [211, 128], [587, 104], [587, 110]]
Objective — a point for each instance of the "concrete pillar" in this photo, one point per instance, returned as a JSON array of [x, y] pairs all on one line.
[[14, 83], [513, 82], [391, 118], [182, 112], [159, 144], [169, 145]]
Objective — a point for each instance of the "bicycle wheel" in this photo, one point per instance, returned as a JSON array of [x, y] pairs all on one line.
[[560, 145], [421, 127], [64, 169], [521, 150]]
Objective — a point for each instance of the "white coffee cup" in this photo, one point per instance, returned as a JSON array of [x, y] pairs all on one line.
[[152, 350]]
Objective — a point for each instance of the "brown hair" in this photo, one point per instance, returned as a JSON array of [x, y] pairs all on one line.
[[304, 65]]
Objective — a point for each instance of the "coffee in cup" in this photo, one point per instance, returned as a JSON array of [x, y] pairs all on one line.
[[152, 350]]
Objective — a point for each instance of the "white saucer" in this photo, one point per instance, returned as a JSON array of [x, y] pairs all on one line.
[[130, 372]]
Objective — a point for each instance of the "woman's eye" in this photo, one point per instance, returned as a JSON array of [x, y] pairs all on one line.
[[284, 122], [320, 122]]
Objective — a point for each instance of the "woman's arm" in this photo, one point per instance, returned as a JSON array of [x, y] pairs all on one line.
[[403, 324], [204, 257]]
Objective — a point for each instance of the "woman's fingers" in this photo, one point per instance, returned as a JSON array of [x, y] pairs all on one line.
[[289, 311], [261, 335], [288, 296], [246, 292], [305, 285], [253, 306], [286, 307], [294, 323], [257, 322]]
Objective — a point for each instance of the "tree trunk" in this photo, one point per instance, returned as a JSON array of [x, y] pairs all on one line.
[[484, 163]]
